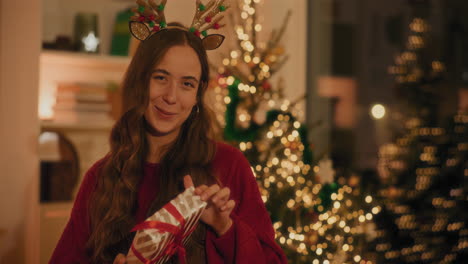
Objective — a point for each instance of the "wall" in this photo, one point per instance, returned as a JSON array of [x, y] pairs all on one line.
[[294, 41], [19, 57]]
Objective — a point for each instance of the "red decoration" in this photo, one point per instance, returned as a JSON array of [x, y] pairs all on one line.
[[219, 83], [151, 18], [197, 33], [293, 146], [216, 26], [266, 86], [208, 19], [312, 215], [142, 18], [156, 28]]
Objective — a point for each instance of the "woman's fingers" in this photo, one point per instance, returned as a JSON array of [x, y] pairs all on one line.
[[221, 197], [200, 189], [228, 206], [188, 181], [217, 196], [120, 259], [210, 191]]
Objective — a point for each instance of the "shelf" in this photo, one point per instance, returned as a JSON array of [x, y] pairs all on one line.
[[52, 125], [63, 66], [79, 59]]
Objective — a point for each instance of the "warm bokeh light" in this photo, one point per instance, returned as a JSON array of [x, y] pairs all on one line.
[[378, 111]]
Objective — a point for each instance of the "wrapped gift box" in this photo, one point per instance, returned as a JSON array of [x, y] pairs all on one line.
[[166, 232]]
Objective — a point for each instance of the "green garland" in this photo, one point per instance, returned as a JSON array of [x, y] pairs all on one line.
[[231, 132], [325, 196]]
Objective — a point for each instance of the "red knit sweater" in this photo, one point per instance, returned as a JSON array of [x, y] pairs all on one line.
[[249, 240]]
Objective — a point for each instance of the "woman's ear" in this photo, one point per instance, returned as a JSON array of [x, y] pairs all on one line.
[[196, 108]]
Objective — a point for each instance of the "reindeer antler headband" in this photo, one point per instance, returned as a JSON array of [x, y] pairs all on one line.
[[150, 20]]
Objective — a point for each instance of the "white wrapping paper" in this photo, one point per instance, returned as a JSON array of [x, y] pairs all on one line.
[[152, 243]]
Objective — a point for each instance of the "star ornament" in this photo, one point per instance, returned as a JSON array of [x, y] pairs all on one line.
[[90, 42], [326, 171]]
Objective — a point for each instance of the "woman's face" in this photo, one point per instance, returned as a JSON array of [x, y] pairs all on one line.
[[173, 90]]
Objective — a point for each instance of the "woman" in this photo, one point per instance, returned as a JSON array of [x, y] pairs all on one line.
[[161, 145]]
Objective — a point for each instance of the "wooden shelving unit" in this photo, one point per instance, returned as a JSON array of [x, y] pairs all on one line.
[[79, 59]]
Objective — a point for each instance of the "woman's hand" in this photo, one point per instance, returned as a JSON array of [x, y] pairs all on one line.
[[120, 259], [217, 213]]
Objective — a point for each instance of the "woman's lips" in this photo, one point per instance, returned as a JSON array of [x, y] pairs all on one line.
[[164, 114]]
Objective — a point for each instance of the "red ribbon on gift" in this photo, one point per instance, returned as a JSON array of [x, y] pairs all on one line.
[[178, 231]]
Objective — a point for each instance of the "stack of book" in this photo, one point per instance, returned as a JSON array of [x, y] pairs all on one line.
[[82, 103]]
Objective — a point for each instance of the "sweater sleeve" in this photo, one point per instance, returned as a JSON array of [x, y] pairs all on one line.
[[251, 237], [71, 246]]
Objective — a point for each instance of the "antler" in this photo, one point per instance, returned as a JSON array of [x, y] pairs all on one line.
[[150, 18], [150, 12], [208, 16]]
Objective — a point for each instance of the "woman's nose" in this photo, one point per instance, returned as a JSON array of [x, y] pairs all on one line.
[[170, 95]]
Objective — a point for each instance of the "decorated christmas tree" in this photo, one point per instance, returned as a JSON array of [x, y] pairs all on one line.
[[317, 218], [425, 170]]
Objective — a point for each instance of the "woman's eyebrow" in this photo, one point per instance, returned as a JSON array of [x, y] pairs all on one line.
[[190, 78], [183, 77], [161, 71]]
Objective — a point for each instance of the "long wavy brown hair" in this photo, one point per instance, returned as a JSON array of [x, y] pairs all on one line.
[[113, 204]]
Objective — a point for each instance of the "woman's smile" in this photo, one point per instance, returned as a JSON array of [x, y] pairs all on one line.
[[164, 114]]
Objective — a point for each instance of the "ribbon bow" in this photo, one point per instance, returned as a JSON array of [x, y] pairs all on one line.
[[177, 246]]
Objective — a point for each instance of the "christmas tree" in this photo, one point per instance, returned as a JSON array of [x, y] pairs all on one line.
[[425, 170], [317, 219]]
